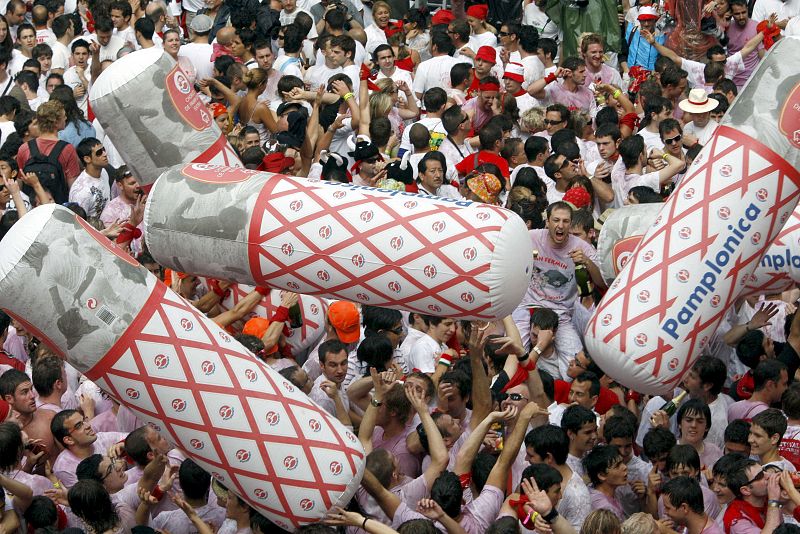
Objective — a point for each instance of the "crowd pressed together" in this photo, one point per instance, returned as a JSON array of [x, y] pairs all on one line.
[[557, 110]]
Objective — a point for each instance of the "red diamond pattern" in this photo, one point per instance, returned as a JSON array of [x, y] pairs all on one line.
[[232, 414], [760, 177]]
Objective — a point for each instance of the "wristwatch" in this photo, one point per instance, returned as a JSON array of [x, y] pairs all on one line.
[[537, 350], [551, 516], [375, 402]]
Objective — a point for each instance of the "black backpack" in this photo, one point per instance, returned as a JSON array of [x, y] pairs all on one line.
[[49, 170]]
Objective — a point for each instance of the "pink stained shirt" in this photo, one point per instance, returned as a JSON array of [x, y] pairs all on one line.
[[409, 464], [66, 463], [582, 99], [745, 409], [553, 282], [737, 38], [601, 501]]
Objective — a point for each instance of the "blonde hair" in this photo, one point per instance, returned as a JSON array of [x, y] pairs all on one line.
[[254, 78], [533, 119], [380, 104], [48, 114], [381, 4], [601, 522], [519, 193], [640, 523]]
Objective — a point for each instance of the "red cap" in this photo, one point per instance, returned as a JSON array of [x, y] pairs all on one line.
[[479, 11], [487, 53], [648, 13], [443, 16], [276, 162], [345, 319], [578, 197]]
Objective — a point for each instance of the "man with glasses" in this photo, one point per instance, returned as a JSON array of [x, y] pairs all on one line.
[[559, 172], [556, 118], [72, 431], [671, 134], [756, 507], [91, 189]]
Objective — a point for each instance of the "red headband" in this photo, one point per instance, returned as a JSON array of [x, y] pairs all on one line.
[[489, 86]]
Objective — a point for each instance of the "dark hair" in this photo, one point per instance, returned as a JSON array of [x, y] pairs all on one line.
[[645, 195], [336, 19], [422, 166], [86, 147], [136, 446], [28, 78], [588, 376], [489, 135], [790, 402], [124, 7], [712, 371], [446, 491], [683, 455], [655, 104], [41, 513], [90, 501], [10, 445], [289, 373], [695, 407], [421, 526], [545, 319], [608, 130], [673, 77], [657, 441], [725, 86], [723, 465], [767, 371], [195, 481], [560, 205], [481, 469], [667, 125], [331, 346], [546, 476], [737, 432], [460, 380], [442, 42], [451, 118], [459, 73], [10, 381], [630, 149], [528, 38], [562, 110], [375, 351], [46, 373], [549, 47], [772, 421], [599, 460], [606, 116], [535, 145], [461, 28], [713, 71], [682, 490], [379, 463], [346, 43], [737, 475], [61, 25], [89, 468], [8, 104], [146, 27], [434, 99], [618, 426], [103, 24], [582, 218], [575, 417], [549, 439], [723, 105]]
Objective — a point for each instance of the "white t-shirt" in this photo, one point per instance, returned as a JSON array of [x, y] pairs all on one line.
[[733, 66], [61, 55], [534, 69], [434, 126], [361, 55], [424, 354], [128, 35], [199, 54], [319, 74], [287, 65], [434, 72], [92, 194], [375, 37], [484, 39], [629, 181], [72, 79], [703, 134]]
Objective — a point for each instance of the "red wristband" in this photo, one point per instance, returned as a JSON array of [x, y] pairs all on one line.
[[157, 493], [263, 290], [281, 314], [214, 285], [550, 78], [465, 479]]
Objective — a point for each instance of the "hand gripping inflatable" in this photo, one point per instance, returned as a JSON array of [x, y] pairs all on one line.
[[154, 117], [778, 270], [156, 354], [313, 310], [709, 237], [384, 248]]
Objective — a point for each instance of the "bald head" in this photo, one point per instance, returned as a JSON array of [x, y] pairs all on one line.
[[225, 35], [39, 15]]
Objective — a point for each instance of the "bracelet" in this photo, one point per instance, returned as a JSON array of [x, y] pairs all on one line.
[[550, 517], [347, 96], [446, 360], [531, 519], [364, 524], [665, 156], [281, 314], [616, 94], [521, 359], [57, 484], [157, 493], [774, 504]]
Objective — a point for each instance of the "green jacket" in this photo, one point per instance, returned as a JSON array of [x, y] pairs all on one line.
[[600, 16]]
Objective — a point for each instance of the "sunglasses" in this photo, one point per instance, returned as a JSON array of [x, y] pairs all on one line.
[[565, 164], [552, 123], [516, 397], [503, 34], [671, 140], [396, 331], [100, 151], [760, 476], [372, 160]]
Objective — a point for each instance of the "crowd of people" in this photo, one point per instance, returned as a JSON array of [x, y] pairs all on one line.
[[556, 110]]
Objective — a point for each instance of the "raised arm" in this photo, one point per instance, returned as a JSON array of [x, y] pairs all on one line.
[[466, 454], [481, 393], [663, 50], [436, 446], [499, 473]]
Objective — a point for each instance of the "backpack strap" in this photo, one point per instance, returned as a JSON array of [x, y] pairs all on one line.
[[33, 146], [57, 150]]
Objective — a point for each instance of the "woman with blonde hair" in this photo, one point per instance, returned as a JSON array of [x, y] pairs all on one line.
[[532, 121], [383, 103], [381, 27], [406, 58]]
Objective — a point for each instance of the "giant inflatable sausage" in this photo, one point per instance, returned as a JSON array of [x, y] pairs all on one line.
[[156, 354], [708, 238], [150, 111], [778, 270], [384, 248]]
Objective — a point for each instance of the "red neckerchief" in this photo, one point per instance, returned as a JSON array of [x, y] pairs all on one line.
[[520, 93], [745, 386], [473, 89], [739, 509], [392, 28]]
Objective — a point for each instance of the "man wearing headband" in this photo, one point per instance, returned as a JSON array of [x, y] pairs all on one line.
[[485, 66], [481, 109]]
